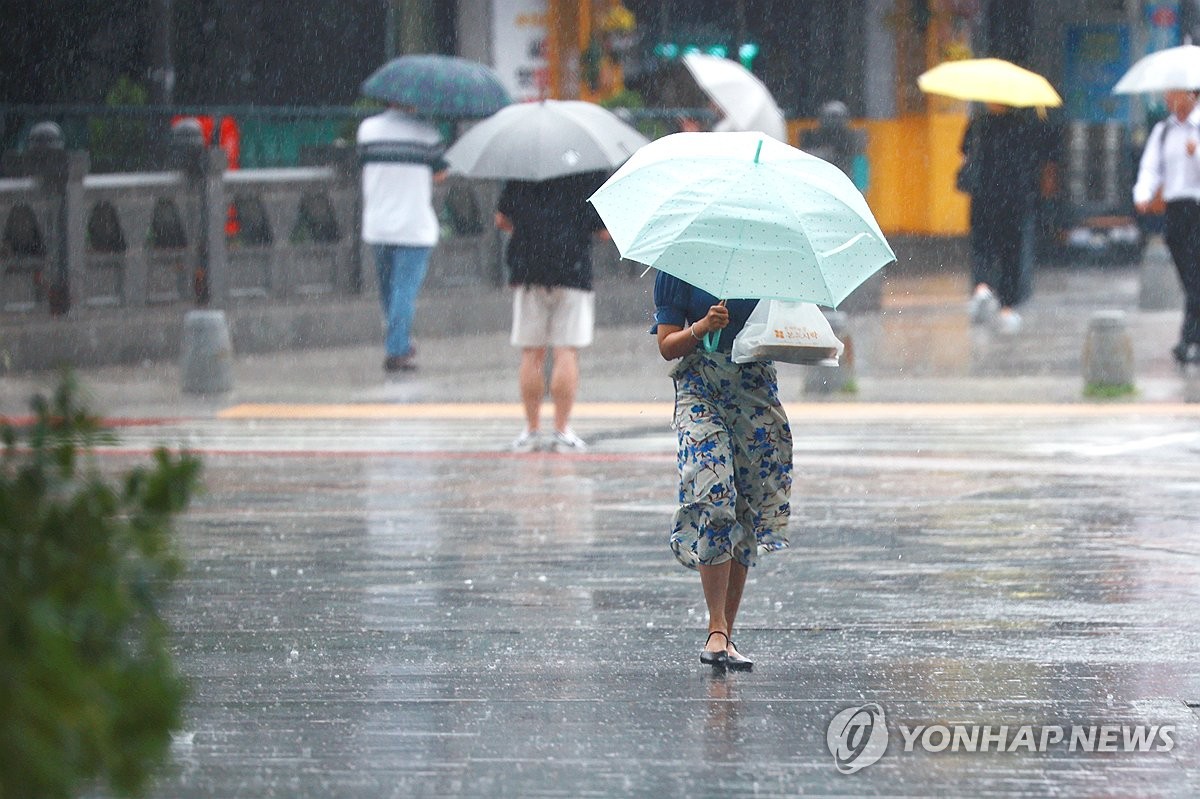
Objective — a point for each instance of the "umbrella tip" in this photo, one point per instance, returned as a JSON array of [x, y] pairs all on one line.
[[758, 150]]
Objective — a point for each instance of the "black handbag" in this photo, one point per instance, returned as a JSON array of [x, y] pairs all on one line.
[[967, 179]]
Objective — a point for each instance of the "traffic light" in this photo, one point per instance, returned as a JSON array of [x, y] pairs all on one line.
[[746, 52]]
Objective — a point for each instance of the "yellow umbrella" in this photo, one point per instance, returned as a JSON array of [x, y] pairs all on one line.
[[989, 80]]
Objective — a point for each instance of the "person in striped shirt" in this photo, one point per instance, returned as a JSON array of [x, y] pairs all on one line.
[[401, 158]]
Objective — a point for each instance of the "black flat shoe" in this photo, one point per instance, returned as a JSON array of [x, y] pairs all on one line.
[[399, 363], [717, 659], [738, 661]]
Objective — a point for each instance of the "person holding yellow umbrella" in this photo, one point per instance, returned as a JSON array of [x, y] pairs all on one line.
[[1005, 149]]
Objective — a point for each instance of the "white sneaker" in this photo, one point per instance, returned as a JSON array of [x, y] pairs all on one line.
[[528, 441], [1008, 323], [982, 306], [567, 441]]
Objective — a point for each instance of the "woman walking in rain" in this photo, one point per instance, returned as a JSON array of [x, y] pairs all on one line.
[[734, 454]]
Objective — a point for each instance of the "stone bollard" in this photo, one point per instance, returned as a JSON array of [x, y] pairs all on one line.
[[1191, 385], [1159, 288], [834, 379], [1107, 356], [206, 363]]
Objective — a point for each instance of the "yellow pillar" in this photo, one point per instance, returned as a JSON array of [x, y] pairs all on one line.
[[576, 33], [583, 13], [562, 47], [914, 157]]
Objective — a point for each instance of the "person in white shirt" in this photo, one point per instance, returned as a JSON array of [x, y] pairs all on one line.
[[401, 158], [1170, 167]]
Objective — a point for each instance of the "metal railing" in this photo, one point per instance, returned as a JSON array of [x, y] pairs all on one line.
[[135, 138], [198, 233]]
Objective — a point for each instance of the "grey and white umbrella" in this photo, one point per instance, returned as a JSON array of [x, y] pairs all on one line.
[[544, 139], [747, 103], [1173, 68]]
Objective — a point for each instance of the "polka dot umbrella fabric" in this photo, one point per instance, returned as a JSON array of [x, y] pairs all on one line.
[[743, 215], [440, 86]]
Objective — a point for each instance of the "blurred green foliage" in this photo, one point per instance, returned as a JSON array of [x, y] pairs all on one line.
[[118, 144], [1109, 390], [627, 99], [88, 688]]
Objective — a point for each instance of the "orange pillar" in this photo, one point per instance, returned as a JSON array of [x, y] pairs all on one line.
[[914, 156], [567, 23], [554, 47], [583, 16]]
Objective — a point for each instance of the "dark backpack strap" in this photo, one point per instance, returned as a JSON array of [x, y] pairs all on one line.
[[1162, 150]]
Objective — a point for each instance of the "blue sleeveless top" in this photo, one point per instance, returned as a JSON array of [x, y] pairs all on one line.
[[679, 303]]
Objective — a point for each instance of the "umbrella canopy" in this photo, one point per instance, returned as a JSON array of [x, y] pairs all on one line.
[[542, 140], [743, 216], [747, 103], [1173, 68], [989, 80], [438, 86]]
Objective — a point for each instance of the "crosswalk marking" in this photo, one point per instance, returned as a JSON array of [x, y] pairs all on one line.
[[663, 410]]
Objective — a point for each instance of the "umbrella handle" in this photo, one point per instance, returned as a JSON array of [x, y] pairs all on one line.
[[710, 339]]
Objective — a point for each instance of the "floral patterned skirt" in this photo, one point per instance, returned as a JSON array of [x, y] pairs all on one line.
[[735, 461]]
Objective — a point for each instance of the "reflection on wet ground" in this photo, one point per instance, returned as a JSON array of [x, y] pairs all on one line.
[[400, 608]]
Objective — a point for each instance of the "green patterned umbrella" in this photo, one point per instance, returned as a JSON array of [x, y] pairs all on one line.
[[439, 86]]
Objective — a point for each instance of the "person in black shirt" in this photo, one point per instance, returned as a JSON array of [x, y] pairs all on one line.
[[550, 270], [1008, 149], [833, 140]]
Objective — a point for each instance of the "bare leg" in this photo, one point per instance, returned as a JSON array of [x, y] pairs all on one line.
[[715, 582], [532, 380], [733, 595], [564, 384]]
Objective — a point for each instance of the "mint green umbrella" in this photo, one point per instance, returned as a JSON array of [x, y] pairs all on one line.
[[743, 216]]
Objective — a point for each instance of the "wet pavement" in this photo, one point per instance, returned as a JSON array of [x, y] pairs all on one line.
[[381, 601], [396, 607]]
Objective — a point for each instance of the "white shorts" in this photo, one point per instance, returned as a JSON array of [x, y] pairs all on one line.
[[552, 317]]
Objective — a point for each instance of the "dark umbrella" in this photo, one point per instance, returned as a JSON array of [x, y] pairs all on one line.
[[438, 86]]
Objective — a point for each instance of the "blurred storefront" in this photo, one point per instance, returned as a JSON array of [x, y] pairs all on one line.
[[868, 53], [865, 53]]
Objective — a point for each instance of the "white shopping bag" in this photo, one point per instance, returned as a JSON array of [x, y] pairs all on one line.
[[792, 332]]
